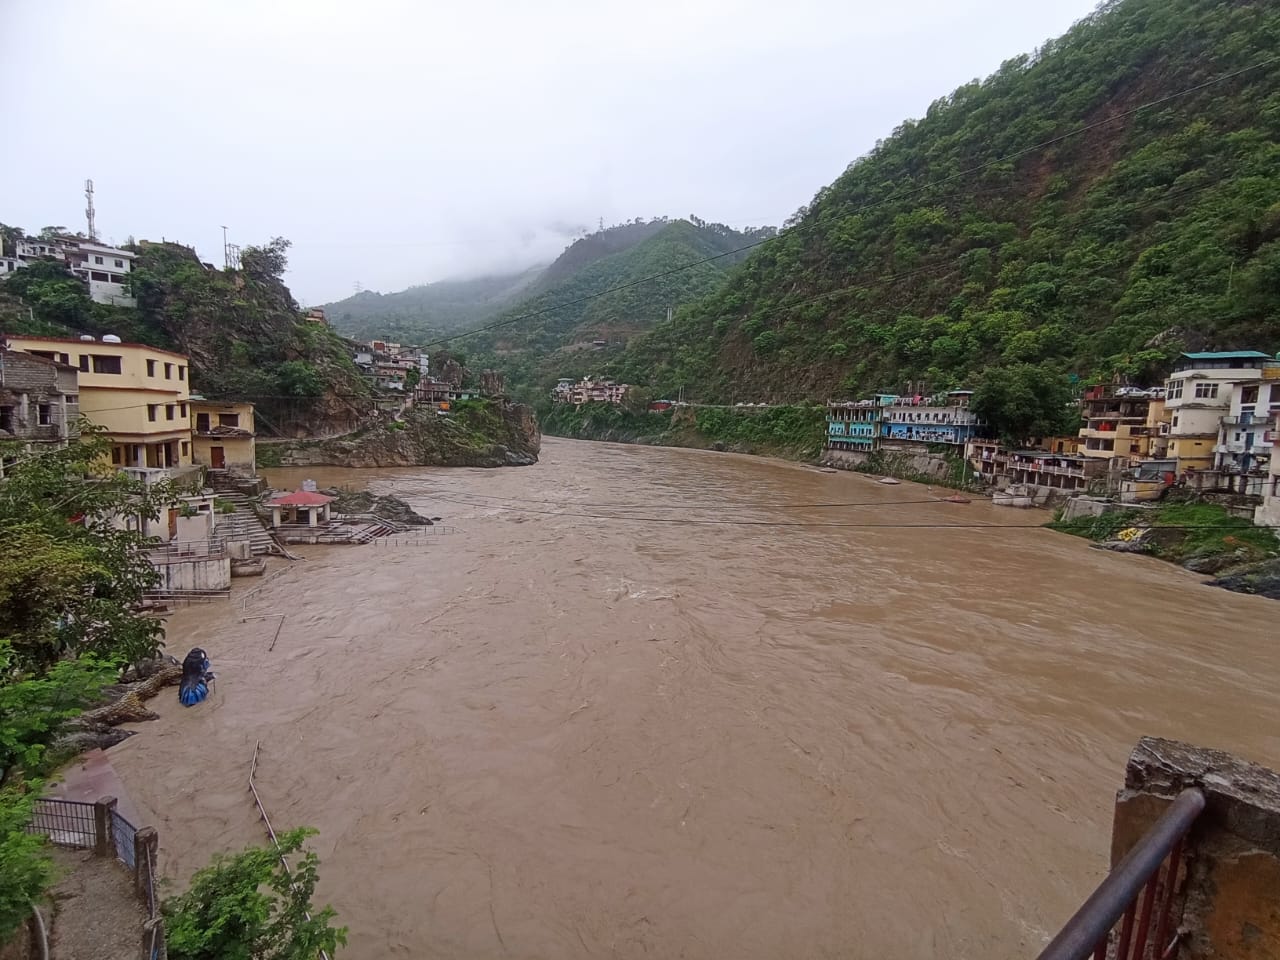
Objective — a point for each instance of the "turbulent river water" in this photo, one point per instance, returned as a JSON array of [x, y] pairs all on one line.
[[653, 702]]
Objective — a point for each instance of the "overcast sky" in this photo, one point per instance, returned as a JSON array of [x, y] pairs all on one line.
[[403, 142]]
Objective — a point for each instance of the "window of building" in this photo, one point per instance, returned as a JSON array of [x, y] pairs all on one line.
[[64, 358], [168, 371], [202, 423], [1206, 391], [99, 276], [151, 368], [1175, 389], [1249, 394], [6, 419], [151, 412], [228, 419], [186, 448], [182, 372], [97, 260], [117, 456], [169, 411], [106, 363], [84, 362], [182, 410], [119, 264], [44, 414], [117, 278], [1175, 419]]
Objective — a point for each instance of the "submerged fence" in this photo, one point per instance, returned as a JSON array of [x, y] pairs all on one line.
[[101, 828]]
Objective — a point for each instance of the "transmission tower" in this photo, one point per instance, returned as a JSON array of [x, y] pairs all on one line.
[[88, 210]]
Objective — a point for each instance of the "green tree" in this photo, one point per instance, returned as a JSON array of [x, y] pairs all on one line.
[[412, 378], [1021, 401], [25, 868], [246, 907], [267, 262], [298, 378], [72, 571]]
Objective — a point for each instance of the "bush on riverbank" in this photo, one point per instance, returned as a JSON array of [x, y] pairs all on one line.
[[1192, 533], [794, 432]]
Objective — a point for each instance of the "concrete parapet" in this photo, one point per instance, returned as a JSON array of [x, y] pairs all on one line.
[[1231, 903]]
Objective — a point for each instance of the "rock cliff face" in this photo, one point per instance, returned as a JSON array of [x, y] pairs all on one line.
[[479, 433]]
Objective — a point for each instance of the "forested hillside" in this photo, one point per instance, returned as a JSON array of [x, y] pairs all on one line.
[[591, 294], [1046, 216], [241, 328], [420, 313]]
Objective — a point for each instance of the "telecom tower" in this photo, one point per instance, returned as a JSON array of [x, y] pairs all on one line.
[[88, 210]]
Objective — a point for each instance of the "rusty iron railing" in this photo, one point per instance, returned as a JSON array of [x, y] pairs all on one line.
[[1130, 915]]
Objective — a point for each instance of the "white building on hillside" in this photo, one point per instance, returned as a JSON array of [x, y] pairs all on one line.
[[104, 268], [1198, 395], [1244, 434]]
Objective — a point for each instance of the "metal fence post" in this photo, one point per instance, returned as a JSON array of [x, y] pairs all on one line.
[[145, 844], [103, 840], [152, 946]]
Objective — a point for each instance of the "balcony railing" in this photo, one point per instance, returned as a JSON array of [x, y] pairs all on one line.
[[1131, 914]]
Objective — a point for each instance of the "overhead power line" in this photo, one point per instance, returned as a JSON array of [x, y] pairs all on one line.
[[1006, 158]]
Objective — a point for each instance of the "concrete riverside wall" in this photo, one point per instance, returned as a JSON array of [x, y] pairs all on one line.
[[912, 465], [1232, 895], [204, 575]]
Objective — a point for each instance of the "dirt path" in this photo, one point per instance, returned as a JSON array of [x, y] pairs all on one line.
[[96, 915]]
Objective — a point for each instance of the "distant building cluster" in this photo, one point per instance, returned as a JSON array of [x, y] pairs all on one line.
[[588, 390], [103, 268], [390, 367], [1213, 425]]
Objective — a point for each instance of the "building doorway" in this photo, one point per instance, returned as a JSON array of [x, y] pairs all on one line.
[[217, 458]]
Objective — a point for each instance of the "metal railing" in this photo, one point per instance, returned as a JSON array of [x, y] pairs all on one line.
[[99, 827], [67, 823], [123, 832], [1130, 915], [271, 833]]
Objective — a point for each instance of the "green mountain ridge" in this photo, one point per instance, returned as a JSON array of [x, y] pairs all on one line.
[[429, 310], [1104, 251], [598, 291]]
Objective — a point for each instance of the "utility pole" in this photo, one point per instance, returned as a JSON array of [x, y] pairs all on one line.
[[88, 210], [226, 253]]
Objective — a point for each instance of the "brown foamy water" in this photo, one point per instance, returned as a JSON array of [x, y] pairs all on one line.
[[555, 735]]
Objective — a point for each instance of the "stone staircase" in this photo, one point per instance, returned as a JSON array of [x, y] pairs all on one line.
[[244, 524]]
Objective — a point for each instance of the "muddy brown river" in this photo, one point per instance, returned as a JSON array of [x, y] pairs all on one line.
[[665, 703]]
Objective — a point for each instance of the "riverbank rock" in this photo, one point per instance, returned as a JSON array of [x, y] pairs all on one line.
[[1261, 579], [388, 508], [478, 433], [1216, 562]]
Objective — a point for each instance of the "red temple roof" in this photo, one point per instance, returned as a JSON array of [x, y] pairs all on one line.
[[302, 498]]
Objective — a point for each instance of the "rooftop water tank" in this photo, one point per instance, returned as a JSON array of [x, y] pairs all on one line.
[[111, 338]]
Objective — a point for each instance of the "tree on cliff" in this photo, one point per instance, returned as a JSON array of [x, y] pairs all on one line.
[[247, 905], [267, 262]]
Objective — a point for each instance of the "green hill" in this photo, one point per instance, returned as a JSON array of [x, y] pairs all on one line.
[[591, 295], [1131, 219], [422, 312], [241, 328]]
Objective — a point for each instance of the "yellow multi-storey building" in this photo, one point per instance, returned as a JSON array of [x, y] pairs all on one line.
[[138, 394]]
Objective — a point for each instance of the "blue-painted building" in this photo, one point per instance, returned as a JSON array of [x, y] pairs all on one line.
[[857, 424], [865, 425]]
